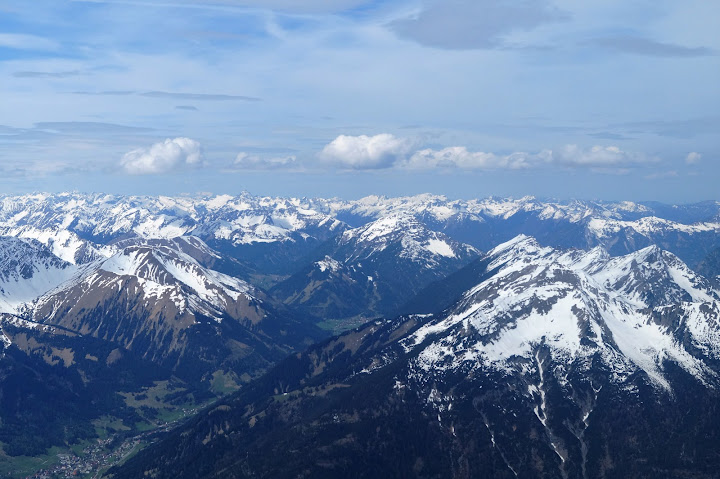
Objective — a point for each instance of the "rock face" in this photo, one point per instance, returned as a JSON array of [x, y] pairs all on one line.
[[554, 364], [710, 266]]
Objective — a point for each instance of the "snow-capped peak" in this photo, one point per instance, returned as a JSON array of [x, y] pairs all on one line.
[[416, 241], [157, 274], [578, 304]]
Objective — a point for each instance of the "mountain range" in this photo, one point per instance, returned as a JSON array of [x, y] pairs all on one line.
[[273, 240], [469, 337], [555, 363]]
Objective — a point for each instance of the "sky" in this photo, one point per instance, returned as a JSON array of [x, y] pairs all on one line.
[[599, 99]]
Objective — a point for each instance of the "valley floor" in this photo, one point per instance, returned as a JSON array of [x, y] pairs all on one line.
[[90, 459]]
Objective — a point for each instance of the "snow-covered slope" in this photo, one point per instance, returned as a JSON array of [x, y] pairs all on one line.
[[157, 300], [578, 305], [441, 209], [27, 270], [101, 218], [410, 238], [690, 231], [156, 274], [77, 226]]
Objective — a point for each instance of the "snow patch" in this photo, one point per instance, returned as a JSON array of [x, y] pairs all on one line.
[[440, 247], [328, 264]]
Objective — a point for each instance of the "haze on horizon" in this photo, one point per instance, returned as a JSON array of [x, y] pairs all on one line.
[[466, 98]]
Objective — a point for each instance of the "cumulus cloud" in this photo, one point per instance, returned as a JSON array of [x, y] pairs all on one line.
[[569, 155], [388, 151], [693, 158], [246, 161], [460, 157], [163, 157], [366, 152]]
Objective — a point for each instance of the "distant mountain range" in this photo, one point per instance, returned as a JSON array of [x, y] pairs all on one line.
[[285, 242], [76, 226], [481, 320]]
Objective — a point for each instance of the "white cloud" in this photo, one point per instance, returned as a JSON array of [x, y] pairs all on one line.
[[388, 151], [366, 152], [693, 158], [598, 156], [460, 157], [246, 161], [163, 157]]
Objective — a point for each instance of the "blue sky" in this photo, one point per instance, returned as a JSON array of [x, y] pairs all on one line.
[[468, 98]]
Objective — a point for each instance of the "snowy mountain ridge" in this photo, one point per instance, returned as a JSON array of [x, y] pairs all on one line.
[[73, 224], [371, 270], [27, 270], [577, 305], [440, 208], [418, 243], [159, 275], [159, 302]]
